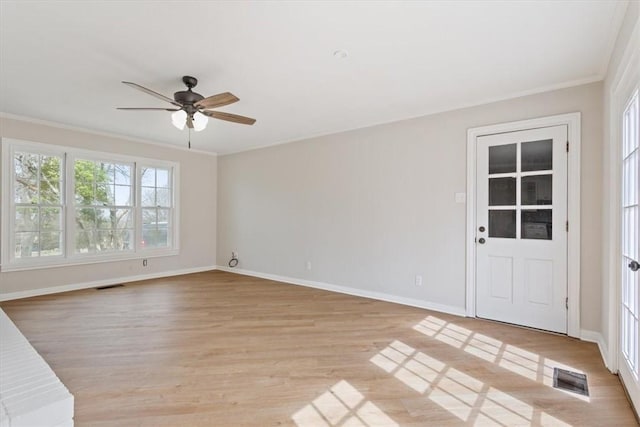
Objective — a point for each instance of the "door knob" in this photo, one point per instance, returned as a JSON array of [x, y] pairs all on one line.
[[634, 266], [481, 241]]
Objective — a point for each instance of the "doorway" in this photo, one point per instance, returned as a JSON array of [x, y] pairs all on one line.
[[521, 237], [523, 223], [629, 345]]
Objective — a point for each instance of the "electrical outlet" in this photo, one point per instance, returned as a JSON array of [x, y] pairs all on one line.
[[144, 262], [308, 265], [418, 280]]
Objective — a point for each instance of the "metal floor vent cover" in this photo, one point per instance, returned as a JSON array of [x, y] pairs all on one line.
[[570, 381], [100, 288]]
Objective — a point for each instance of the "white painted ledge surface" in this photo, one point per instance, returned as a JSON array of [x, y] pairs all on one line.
[[30, 392]]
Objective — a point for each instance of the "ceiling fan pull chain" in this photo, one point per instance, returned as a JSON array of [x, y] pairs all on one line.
[[189, 138]]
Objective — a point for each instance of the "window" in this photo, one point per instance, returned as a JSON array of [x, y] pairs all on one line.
[[156, 206], [38, 205], [103, 207], [69, 206]]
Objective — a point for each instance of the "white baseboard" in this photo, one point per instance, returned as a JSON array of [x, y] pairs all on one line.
[[94, 284], [443, 308], [596, 337]]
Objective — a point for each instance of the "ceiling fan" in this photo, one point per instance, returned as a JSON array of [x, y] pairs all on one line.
[[191, 108]]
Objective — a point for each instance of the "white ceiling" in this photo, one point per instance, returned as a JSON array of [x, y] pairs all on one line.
[[63, 61]]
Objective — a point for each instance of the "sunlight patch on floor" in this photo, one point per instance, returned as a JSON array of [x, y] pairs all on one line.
[[342, 405], [462, 395], [512, 358]]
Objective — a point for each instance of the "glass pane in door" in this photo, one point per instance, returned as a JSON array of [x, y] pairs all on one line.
[[537, 155], [502, 158], [502, 223], [536, 190], [536, 224], [502, 191]]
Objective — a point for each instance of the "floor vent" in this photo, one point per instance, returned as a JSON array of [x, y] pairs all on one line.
[[100, 288], [570, 381]]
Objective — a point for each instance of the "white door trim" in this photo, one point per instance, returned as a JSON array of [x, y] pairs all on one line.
[[572, 121]]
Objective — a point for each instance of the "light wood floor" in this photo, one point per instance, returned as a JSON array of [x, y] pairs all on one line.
[[218, 349]]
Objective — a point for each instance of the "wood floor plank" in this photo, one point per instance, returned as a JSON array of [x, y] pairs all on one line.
[[219, 349]]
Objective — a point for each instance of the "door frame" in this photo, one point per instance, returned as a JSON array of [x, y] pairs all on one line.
[[617, 96], [572, 121]]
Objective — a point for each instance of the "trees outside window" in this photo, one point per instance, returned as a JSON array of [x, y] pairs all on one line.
[[103, 206], [38, 197], [70, 205]]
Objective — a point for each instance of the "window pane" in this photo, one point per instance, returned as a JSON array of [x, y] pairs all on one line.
[[85, 242], [26, 219], [26, 245], [163, 217], [536, 190], [148, 195], [26, 192], [105, 218], [163, 197], [26, 178], [26, 166], [104, 192], [50, 243], [84, 193], [106, 241], [502, 158], [502, 191], [123, 174], [537, 155], [162, 178], [106, 173], [149, 216], [124, 218], [84, 171], [51, 219], [536, 224], [148, 177], [119, 240], [502, 224], [155, 227], [85, 219], [50, 179], [122, 195]]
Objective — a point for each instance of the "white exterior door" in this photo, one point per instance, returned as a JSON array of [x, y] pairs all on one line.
[[521, 235], [630, 292]]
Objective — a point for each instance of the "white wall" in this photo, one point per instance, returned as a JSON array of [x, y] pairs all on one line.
[[198, 176], [374, 207], [611, 171]]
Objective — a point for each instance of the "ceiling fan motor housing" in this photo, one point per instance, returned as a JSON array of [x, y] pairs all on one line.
[[187, 97]]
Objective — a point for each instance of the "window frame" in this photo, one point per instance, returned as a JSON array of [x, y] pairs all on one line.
[[8, 261]]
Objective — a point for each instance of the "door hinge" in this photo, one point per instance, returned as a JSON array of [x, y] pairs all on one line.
[[566, 303], [567, 146], [567, 225]]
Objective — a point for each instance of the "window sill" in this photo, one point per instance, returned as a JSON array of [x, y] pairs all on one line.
[[78, 261]]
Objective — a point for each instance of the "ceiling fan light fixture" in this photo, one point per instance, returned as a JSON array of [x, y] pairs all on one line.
[[179, 119], [199, 121]]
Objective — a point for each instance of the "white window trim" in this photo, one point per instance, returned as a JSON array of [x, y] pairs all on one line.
[[69, 258]]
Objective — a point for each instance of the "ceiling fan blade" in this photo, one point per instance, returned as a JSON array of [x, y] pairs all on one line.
[[152, 93], [189, 122], [229, 117], [148, 109], [218, 100]]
